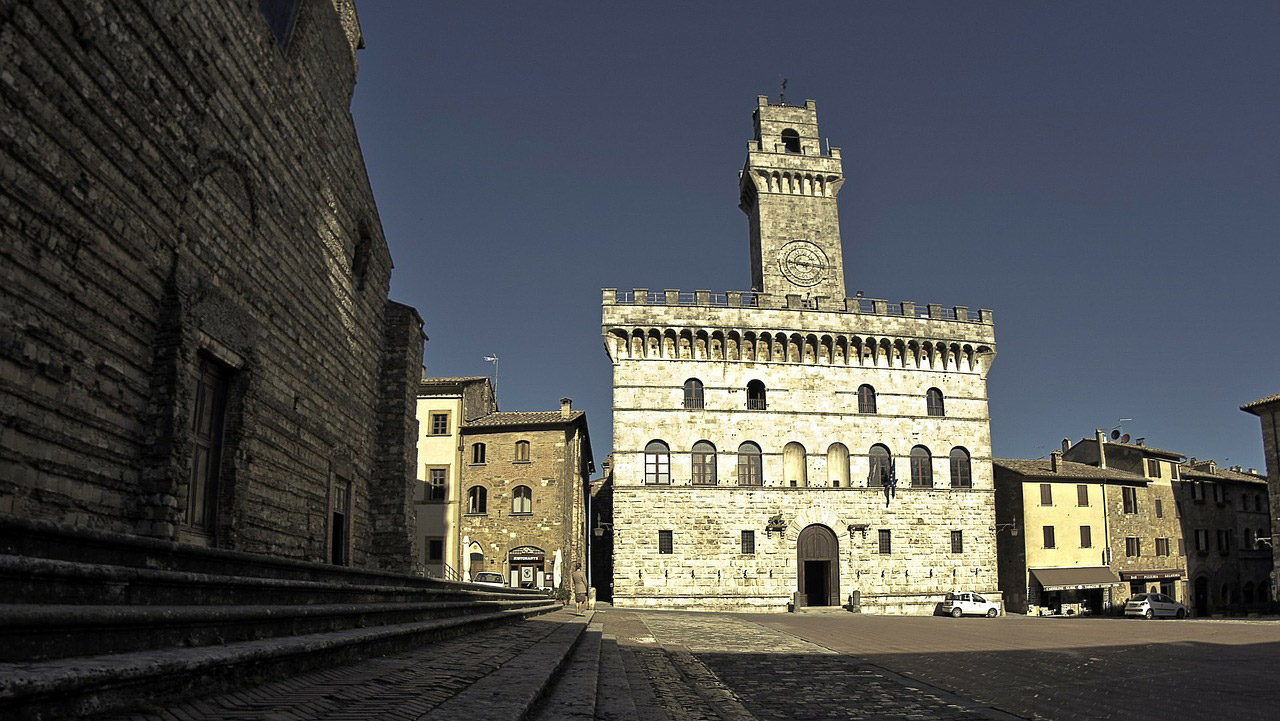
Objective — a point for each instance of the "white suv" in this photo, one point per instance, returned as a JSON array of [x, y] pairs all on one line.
[[960, 603]]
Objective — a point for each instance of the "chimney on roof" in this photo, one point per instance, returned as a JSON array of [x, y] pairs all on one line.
[[566, 407], [1102, 451], [1054, 459], [1254, 471], [1140, 442], [1066, 444]]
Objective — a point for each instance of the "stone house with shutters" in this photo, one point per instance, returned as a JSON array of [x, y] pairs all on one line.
[[792, 443], [196, 342], [524, 488], [1227, 527]]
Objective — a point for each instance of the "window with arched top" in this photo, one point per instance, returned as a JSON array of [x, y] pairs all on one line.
[[703, 460], [866, 399], [961, 475], [933, 402], [838, 466], [921, 467], [795, 471], [522, 500], [657, 463], [477, 453], [693, 393], [790, 141], [477, 500], [880, 466], [750, 465], [755, 396], [522, 451]]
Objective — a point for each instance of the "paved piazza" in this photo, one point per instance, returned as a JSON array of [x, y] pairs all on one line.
[[851, 667]]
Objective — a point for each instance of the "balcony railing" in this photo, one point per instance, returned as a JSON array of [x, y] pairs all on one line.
[[756, 404]]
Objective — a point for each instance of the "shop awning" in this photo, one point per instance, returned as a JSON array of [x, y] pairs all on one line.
[[1062, 579]]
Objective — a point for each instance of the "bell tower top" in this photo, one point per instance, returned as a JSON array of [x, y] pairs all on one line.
[[788, 191]]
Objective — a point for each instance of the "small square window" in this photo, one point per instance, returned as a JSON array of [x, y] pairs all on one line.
[[665, 542], [748, 542], [435, 549], [439, 424]]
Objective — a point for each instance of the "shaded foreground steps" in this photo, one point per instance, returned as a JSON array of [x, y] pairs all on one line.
[[94, 622]]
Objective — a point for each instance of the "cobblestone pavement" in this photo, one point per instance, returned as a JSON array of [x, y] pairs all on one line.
[[717, 666], [387, 688], [1059, 669]]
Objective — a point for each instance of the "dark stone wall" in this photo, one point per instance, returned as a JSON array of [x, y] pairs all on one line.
[[394, 523], [177, 185]]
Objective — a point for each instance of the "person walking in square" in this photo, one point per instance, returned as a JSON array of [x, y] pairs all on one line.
[[579, 589]]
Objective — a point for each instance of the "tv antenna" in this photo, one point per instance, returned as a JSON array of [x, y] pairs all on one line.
[[782, 92]]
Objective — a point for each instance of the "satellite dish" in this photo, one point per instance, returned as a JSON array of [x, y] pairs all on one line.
[[1115, 435], [1124, 438]]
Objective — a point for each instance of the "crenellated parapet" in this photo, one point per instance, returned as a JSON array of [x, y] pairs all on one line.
[[705, 326]]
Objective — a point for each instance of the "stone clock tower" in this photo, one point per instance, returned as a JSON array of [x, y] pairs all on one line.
[[788, 191]]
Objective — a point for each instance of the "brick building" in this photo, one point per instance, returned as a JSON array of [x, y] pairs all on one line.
[[601, 526], [524, 494], [196, 342], [792, 442]]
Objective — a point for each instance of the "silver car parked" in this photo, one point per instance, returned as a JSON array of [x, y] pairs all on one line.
[[1151, 605]]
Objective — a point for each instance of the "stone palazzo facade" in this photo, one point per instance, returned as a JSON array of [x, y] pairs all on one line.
[[791, 444]]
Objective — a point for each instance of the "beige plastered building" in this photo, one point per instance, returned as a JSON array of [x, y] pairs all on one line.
[[444, 404], [755, 432]]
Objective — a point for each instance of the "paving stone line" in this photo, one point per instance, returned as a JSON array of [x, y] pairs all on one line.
[[614, 700], [572, 696]]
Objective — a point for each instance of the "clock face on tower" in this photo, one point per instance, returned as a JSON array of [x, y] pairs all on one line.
[[802, 263]]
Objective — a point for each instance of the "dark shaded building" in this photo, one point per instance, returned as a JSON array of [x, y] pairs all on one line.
[[601, 539], [1228, 532], [1268, 412], [196, 342]]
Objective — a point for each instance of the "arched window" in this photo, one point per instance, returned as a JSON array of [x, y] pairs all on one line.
[[522, 500], [791, 141], [522, 451], [961, 477], [795, 471], [704, 464], [693, 393], [866, 399], [921, 467], [657, 463], [477, 500], [755, 396], [933, 402], [477, 453], [750, 465], [880, 465], [838, 466]]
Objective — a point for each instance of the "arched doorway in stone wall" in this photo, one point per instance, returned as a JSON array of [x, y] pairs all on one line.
[[818, 566]]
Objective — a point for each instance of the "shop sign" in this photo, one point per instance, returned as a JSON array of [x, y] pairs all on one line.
[[1149, 575]]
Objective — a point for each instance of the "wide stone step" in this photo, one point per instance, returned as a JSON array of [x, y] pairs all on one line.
[[42, 581], [572, 696], [512, 690], [84, 686], [33, 633], [614, 700]]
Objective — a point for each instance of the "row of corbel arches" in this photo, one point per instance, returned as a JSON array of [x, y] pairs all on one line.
[[795, 183], [782, 347]]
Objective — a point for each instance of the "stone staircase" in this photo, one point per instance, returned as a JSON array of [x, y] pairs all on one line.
[[91, 622]]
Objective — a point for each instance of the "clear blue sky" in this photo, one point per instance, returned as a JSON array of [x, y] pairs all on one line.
[[1104, 176]]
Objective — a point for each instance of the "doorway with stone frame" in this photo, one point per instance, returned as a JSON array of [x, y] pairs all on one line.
[[818, 566]]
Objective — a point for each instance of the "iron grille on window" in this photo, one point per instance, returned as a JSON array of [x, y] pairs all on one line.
[[886, 541], [866, 399], [957, 541], [665, 542], [748, 542], [933, 402], [756, 396], [693, 394]]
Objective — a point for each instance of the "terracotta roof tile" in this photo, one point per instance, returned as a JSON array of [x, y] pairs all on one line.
[[1041, 468], [523, 418], [1260, 402]]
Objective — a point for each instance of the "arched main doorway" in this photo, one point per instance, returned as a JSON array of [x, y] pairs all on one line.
[[818, 566]]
